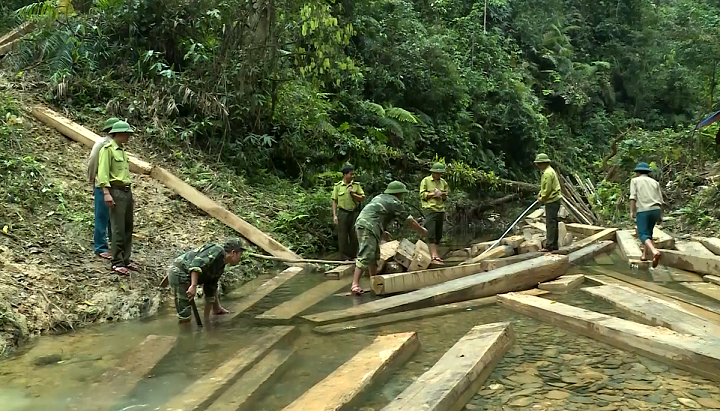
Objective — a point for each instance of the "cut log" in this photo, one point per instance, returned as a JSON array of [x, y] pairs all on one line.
[[539, 213], [709, 290], [7, 47], [495, 263], [689, 352], [345, 386], [661, 239], [497, 252], [567, 240], [459, 373], [712, 279], [588, 253], [538, 226], [302, 302], [237, 308], [531, 246], [563, 284], [200, 394], [654, 311], [513, 241], [247, 390], [584, 229], [387, 252], [421, 257], [516, 277], [701, 264], [404, 253], [562, 233], [340, 272], [392, 267], [628, 245], [693, 248], [712, 244], [120, 380]]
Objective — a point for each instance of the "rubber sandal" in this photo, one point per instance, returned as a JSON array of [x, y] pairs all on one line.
[[104, 255], [656, 259], [121, 270], [357, 291], [544, 250], [133, 266], [438, 261]]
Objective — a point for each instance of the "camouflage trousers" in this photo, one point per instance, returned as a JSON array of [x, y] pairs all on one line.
[[180, 282], [369, 250]]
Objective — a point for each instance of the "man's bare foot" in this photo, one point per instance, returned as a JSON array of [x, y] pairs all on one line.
[[656, 259]]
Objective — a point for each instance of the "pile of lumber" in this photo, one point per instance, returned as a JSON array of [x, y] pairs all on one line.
[[403, 256]]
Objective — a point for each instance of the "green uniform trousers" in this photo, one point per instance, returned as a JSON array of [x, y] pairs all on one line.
[[434, 224], [347, 238], [179, 288], [551, 225], [369, 252], [121, 221]]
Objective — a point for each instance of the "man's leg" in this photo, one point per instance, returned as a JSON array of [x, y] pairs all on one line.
[[182, 302], [430, 223], [129, 226], [117, 222], [102, 221], [551, 225], [353, 250], [367, 257], [343, 228]]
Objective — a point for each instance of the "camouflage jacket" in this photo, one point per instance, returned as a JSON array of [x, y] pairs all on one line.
[[379, 212], [208, 261]]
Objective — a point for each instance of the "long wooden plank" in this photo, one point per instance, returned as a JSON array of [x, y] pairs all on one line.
[[495, 263], [459, 373], [7, 47], [242, 395], [628, 245], [654, 311], [606, 235], [693, 248], [237, 308], [515, 277], [689, 352], [371, 365], [588, 253], [340, 272], [17, 32], [204, 391], [123, 378], [711, 243], [497, 252], [415, 314], [661, 239], [563, 284], [709, 290], [584, 229], [680, 276], [302, 302], [700, 264], [712, 279]]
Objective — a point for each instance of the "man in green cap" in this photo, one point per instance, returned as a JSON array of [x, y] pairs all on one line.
[[646, 203], [203, 266], [550, 196], [433, 195], [370, 228], [113, 177], [346, 198], [102, 213]]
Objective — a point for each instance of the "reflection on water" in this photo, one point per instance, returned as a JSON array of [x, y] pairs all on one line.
[[547, 368]]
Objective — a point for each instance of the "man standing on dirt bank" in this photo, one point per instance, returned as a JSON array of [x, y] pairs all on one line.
[[346, 198], [102, 213], [646, 204], [370, 227], [550, 196], [203, 266], [433, 195], [113, 177]]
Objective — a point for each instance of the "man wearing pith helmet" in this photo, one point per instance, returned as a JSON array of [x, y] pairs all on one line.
[[646, 204], [433, 196], [370, 227], [550, 196], [102, 212], [113, 177]]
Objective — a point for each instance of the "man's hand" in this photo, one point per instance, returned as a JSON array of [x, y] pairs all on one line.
[[351, 189], [632, 215], [109, 201], [437, 194], [191, 291], [220, 310], [386, 236], [335, 220]]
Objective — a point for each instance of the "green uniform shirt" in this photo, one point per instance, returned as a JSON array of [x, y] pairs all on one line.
[[549, 187], [342, 195], [379, 212], [113, 165], [428, 185], [208, 261]]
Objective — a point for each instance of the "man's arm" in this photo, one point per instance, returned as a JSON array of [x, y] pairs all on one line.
[[424, 193], [417, 227], [334, 209], [544, 189], [632, 208], [633, 197], [359, 195], [192, 290]]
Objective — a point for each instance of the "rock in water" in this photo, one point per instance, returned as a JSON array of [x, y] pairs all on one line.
[[47, 360]]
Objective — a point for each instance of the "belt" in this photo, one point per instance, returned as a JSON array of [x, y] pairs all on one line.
[[347, 211], [120, 186]]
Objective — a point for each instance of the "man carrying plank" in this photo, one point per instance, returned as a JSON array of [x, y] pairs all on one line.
[[346, 197], [433, 195], [102, 212], [550, 196], [646, 203], [203, 266], [370, 227]]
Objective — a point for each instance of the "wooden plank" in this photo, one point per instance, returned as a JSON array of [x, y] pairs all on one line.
[[680, 276], [654, 311], [692, 262], [421, 257], [628, 245], [661, 239], [120, 380], [495, 263], [340, 272], [584, 229], [530, 246], [603, 259], [497, 252], [539, 213], [513, 241], [606, 235], [563, 284], [404, 253], [693, 248], [689, 352], [345, 386], [246, 391], [515, 277], [7, 47], [459, 373], [237, 308], [538, 226], [712, 279], [562, 235], [387, 252], [478, 248], [392, 267], [204, 391], [661, 274], [711, 243], [707, 289], [302, 302], [17, 32], [588, 253]]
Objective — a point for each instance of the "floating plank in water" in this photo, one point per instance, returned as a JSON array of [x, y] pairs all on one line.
[[460, 373], [204, 391], [237, 308], [340, 272], [711, 243], [589, 252], [689, 352], [371, 365], [693, 248], [246, 390], [563, 284], [701, 264], [712, 279], [603, 259], [302, 302], [680, 276], [584, 229], [710, 290], [516, 277], [654, 311], [122, 379]]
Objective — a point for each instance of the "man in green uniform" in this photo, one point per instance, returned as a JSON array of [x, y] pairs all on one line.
[[102, 212], [550, 196], [346, 198], [203, 266], [113, 177], [370, 227], [433, 195]]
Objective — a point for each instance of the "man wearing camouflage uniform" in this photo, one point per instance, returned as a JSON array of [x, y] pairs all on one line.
[[203, 266], [370, 227]]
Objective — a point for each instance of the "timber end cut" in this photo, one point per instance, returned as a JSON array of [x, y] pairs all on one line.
[[387, 252], [712, 244], [661, 239], [404, 253], [340, 272], [701, 264], [421, 257], [563, 284]]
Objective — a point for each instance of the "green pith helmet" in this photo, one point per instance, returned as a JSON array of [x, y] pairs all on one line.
[[396, 187], [542, 158], [121, 127], [109, 123], [643, 167], [234, 244], [438, 168]]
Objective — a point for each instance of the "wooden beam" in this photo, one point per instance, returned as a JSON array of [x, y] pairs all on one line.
[[345, 386], [497, 252], [302, 302], [628, 245], [387, 252], [680, 276], [7, 47], [584, 229], [246, 391], [711, 243], [661, 239], [603, 259], [701, 264], [340, 272], [606, 235], [713, 279], [693, 248], [404, 252], [459, 373], [589, 252], [237, 308], [421, 257], [707, 289], [563, 284], [689, 352], [654, 311], [120, 380], [495, 263], [515, 277], [18, 32], [513, 241], [200, 394]]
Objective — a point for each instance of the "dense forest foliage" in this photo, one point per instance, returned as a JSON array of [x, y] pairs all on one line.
[[297, 89]]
